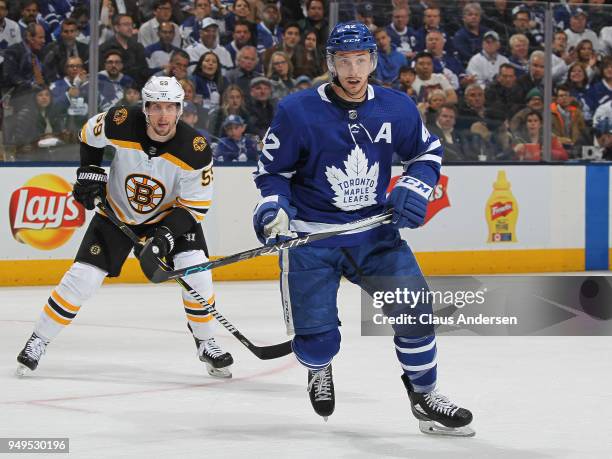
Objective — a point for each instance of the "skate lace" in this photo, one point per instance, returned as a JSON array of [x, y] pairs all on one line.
[[440, 403], [323, 385], [35, 348], [210, 348]]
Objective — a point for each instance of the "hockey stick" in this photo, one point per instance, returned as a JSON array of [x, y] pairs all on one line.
[[262, 352], [157, 271]]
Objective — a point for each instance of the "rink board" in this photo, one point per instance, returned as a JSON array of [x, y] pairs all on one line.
[[559, 218]]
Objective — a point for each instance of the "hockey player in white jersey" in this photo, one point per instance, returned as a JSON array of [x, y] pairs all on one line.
[[161, 184], [326, 161]]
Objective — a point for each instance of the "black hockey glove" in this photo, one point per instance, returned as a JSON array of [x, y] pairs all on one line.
[[160, 245], [90, 183]]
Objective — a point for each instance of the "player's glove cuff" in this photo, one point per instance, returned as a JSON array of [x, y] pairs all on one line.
[[272, 217], [409, 199]]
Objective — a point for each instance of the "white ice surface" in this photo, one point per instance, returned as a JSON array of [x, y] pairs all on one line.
[[123, 381]]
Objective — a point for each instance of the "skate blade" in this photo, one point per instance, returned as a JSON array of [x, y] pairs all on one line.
[[22, 370], [218, 372], [434, 428]]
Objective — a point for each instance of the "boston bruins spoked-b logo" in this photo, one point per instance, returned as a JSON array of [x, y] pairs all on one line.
[[144, 193]]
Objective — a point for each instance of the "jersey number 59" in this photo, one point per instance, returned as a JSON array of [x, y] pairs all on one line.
[[207, 176]]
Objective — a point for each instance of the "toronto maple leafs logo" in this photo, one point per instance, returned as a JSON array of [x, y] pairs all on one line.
[[355, 187]]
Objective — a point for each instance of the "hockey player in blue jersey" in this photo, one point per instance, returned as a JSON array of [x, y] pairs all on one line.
[[326, 160]]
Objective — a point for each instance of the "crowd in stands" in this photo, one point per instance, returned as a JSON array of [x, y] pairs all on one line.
[[474, 69]]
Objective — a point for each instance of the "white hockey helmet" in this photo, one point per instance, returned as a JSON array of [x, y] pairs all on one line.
[[163, 89]]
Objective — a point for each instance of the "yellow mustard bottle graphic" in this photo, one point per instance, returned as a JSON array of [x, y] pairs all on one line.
[[501, 211]]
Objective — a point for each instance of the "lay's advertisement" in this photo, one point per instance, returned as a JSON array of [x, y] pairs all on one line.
[[44, 221], [43, 213]]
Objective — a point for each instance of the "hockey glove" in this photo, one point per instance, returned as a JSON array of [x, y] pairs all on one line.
[[271, 219], [161, 244], [409, 199], [90, 183]]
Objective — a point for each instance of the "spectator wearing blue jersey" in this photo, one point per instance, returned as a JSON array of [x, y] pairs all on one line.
[[401, 34], [468, 39], [269, 32], [158, 54], [601, 92], [389, 60], [190, 27], [209, 80], [602, 126], [10, 33], [578, 83], [522, 24], [235, 146], [519, 53], [30, 14], [446, 63], [432, 23], [162, 11], [241, 37], [113, 71]]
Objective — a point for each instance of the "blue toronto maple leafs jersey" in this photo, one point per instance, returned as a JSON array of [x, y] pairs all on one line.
[[334, 164]]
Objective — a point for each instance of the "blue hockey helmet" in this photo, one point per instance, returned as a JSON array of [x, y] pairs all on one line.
[[350, 36]]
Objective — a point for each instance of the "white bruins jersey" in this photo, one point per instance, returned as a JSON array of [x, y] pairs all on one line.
[[148, 179]]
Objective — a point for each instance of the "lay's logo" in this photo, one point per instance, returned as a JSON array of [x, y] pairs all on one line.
[[43, 213]]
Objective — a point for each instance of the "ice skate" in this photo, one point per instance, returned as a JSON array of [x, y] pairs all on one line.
[[321, 390], [437, 415], [30, 355], [217, 361]]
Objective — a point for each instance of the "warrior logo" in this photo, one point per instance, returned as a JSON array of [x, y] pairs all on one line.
[[144, 193], [355, 187]]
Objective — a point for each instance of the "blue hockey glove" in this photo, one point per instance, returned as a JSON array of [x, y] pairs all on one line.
[[271, 219], [409, 199]]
